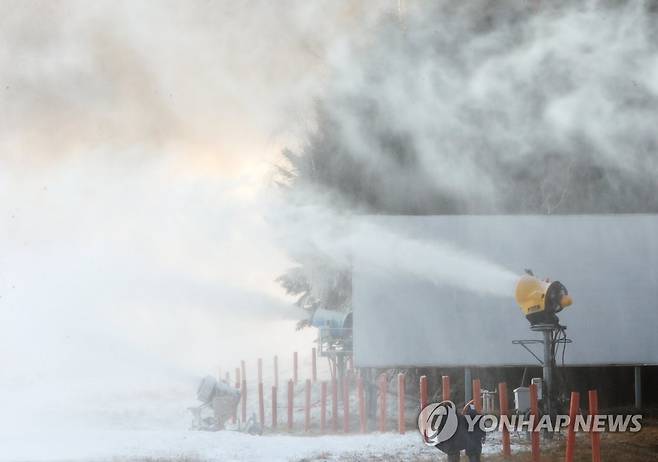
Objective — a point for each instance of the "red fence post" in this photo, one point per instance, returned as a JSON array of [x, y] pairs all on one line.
[[307, 406], [323, 406], [574, 405], [274, 407], [401, 421], [291, 385], [477, 395], [534, 412], [295, 376], [596, 436], [346, 403], [244, 400], [423, 392], [504, 410], [261, 405], [445, 388], [362, 404], [334, 404], [314, 366], [260, 370], [383, 391]]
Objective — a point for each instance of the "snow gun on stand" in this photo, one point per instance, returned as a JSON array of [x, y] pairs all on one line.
[[540, 301]]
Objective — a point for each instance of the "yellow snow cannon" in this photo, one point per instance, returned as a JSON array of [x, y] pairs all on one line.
[[540, 301]]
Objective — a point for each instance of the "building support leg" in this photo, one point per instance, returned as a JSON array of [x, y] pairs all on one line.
[[468, 385], [638, 387]]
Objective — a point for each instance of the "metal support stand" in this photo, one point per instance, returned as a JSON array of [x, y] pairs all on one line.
[[550, 341], [547, 369], [341, 367], [336, 344]]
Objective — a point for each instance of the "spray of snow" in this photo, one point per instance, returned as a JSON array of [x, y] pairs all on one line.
[[379, 249]]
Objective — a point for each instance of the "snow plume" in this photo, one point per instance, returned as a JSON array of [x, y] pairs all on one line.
[[136, 145], [119, 287], [368, 241], [376, 248]]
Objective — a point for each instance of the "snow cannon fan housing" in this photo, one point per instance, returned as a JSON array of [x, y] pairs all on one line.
[[334, 323], [540, 301]]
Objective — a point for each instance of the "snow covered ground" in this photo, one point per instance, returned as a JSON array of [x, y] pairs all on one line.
[[68, 425], [50, 444], [102, 421], [135, 415]]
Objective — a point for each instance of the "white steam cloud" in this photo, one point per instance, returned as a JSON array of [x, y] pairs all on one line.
[[480, 92], [136, 145]]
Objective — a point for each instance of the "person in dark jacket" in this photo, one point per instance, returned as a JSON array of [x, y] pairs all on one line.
[[471, 442]]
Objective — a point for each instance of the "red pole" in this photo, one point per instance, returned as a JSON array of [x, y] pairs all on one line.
[[334, 404], [504, 410], [244, 400], [346, 403], [596, 436], [445, 387], [291, 384], [401, 422], [314, 366], [274, 407], [574, 405], [243, 371], [237, 377], [383, 385], [534, 412], [261, 405], [362, 404], [260, 370], [294, 367], [323, 407], [423, 392], [477, 395], [307, 406], [276, 371]]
